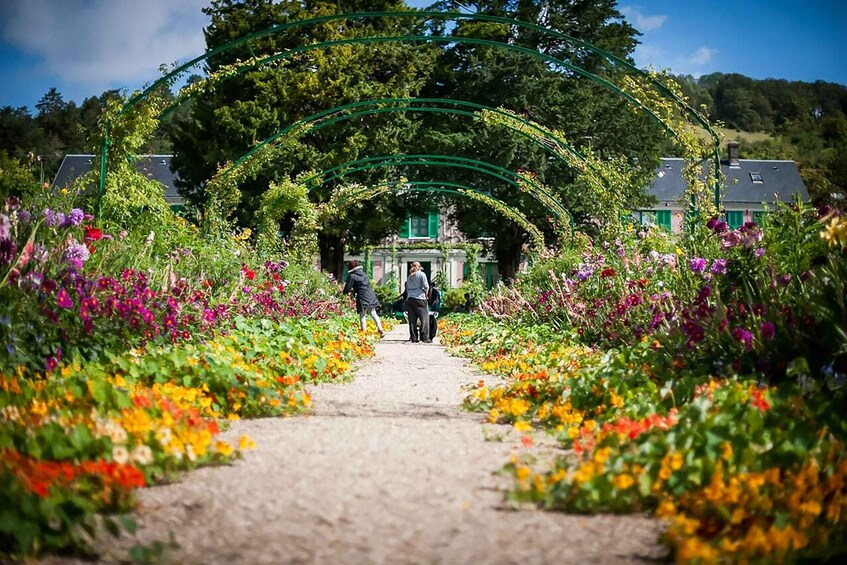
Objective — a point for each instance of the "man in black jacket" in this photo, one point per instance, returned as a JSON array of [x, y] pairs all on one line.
[[366, 301]]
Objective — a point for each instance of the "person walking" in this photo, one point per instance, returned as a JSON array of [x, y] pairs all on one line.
[[366, 301], [417, 288]]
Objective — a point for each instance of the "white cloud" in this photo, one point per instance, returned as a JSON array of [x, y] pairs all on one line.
[[642, 22], [103, 43], [702, 56]]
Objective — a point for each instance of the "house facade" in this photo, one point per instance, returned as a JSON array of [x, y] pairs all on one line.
[[432, 240], [751, 187]]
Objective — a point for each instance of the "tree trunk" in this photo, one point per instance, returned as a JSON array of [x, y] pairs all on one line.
[[332, 253], [507, 250]]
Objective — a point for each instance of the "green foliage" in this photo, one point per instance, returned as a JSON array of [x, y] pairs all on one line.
[[15, 179], [289, 198], [453, 300]]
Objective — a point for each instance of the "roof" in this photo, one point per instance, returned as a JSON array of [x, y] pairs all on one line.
[[779, 180], [155, 167]]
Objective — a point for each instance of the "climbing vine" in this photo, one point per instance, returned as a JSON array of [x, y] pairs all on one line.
[[128, 197], [701, 171], [288, 198]]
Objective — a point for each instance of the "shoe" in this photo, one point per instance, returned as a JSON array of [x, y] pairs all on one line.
[[414, 340], [428, 341], [381, 333]]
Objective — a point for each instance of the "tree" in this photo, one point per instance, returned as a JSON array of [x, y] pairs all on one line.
[[258, 103], [587, 113]]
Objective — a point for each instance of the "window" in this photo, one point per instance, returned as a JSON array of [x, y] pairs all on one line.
[[420, 226], [735, 219], [757, 178], [661, 218], [758, 218]]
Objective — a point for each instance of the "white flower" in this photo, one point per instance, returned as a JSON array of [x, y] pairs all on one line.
[[120, 455], [164, 436], [117, 433], [142, 454], [189, 452]]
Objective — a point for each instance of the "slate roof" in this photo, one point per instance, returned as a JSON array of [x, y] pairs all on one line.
[[780, 177], [156, 167]]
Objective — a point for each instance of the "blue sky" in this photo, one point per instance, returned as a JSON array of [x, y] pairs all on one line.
[[84, 47]]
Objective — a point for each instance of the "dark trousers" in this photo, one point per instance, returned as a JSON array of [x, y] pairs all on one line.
[[417, 310]]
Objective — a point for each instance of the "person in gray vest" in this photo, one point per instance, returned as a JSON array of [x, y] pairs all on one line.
[[417, 290], [366, 301]]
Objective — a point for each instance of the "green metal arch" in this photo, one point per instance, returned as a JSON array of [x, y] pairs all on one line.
[[505, 175], [432, 15], [445, 188], [312, 123], [441, 39]]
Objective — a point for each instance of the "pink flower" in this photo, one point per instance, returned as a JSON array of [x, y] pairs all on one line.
[[63, 299]]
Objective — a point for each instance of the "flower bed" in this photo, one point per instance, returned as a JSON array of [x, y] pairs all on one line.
[[113, 377], [714, 399]]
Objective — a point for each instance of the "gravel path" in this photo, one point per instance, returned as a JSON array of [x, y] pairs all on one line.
[[387, 469]]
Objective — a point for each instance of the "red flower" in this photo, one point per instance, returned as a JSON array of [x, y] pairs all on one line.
[[607, 272], [93, 234]]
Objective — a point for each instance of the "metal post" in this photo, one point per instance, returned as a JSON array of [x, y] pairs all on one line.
[[104, 150]]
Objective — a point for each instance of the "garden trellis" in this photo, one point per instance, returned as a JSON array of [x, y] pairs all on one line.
[[631, 91]]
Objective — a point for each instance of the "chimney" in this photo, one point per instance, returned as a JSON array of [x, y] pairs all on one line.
[[733, 155]]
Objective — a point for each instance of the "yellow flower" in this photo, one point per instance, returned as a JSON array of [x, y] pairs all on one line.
[[522, 472], [623, 481], [523, 426], [244, 442], [666, 509], [676, 461], [835, 232], [224, 448]]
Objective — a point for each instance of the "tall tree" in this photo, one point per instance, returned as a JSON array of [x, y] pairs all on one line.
[[258, 103], [558, 99]]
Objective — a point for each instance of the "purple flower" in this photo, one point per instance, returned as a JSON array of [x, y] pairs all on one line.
[[698, 265], [5, 226], [53, 219], [767, 330], [744, 336], [785, 279], [75, 217], [8, 251], [759, 252], [63, 299], [24, 216], [718, 267], [75, 255], [51, 363]]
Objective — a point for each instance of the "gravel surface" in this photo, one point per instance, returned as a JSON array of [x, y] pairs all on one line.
[[387, 469]]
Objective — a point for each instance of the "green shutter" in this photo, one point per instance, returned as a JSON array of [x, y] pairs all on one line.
[[758, 218], [663, 218], [404, 227], [433, 224], [371, 269], [735, 219]]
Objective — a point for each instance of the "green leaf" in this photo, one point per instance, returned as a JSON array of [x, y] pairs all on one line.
[[100, 391]]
